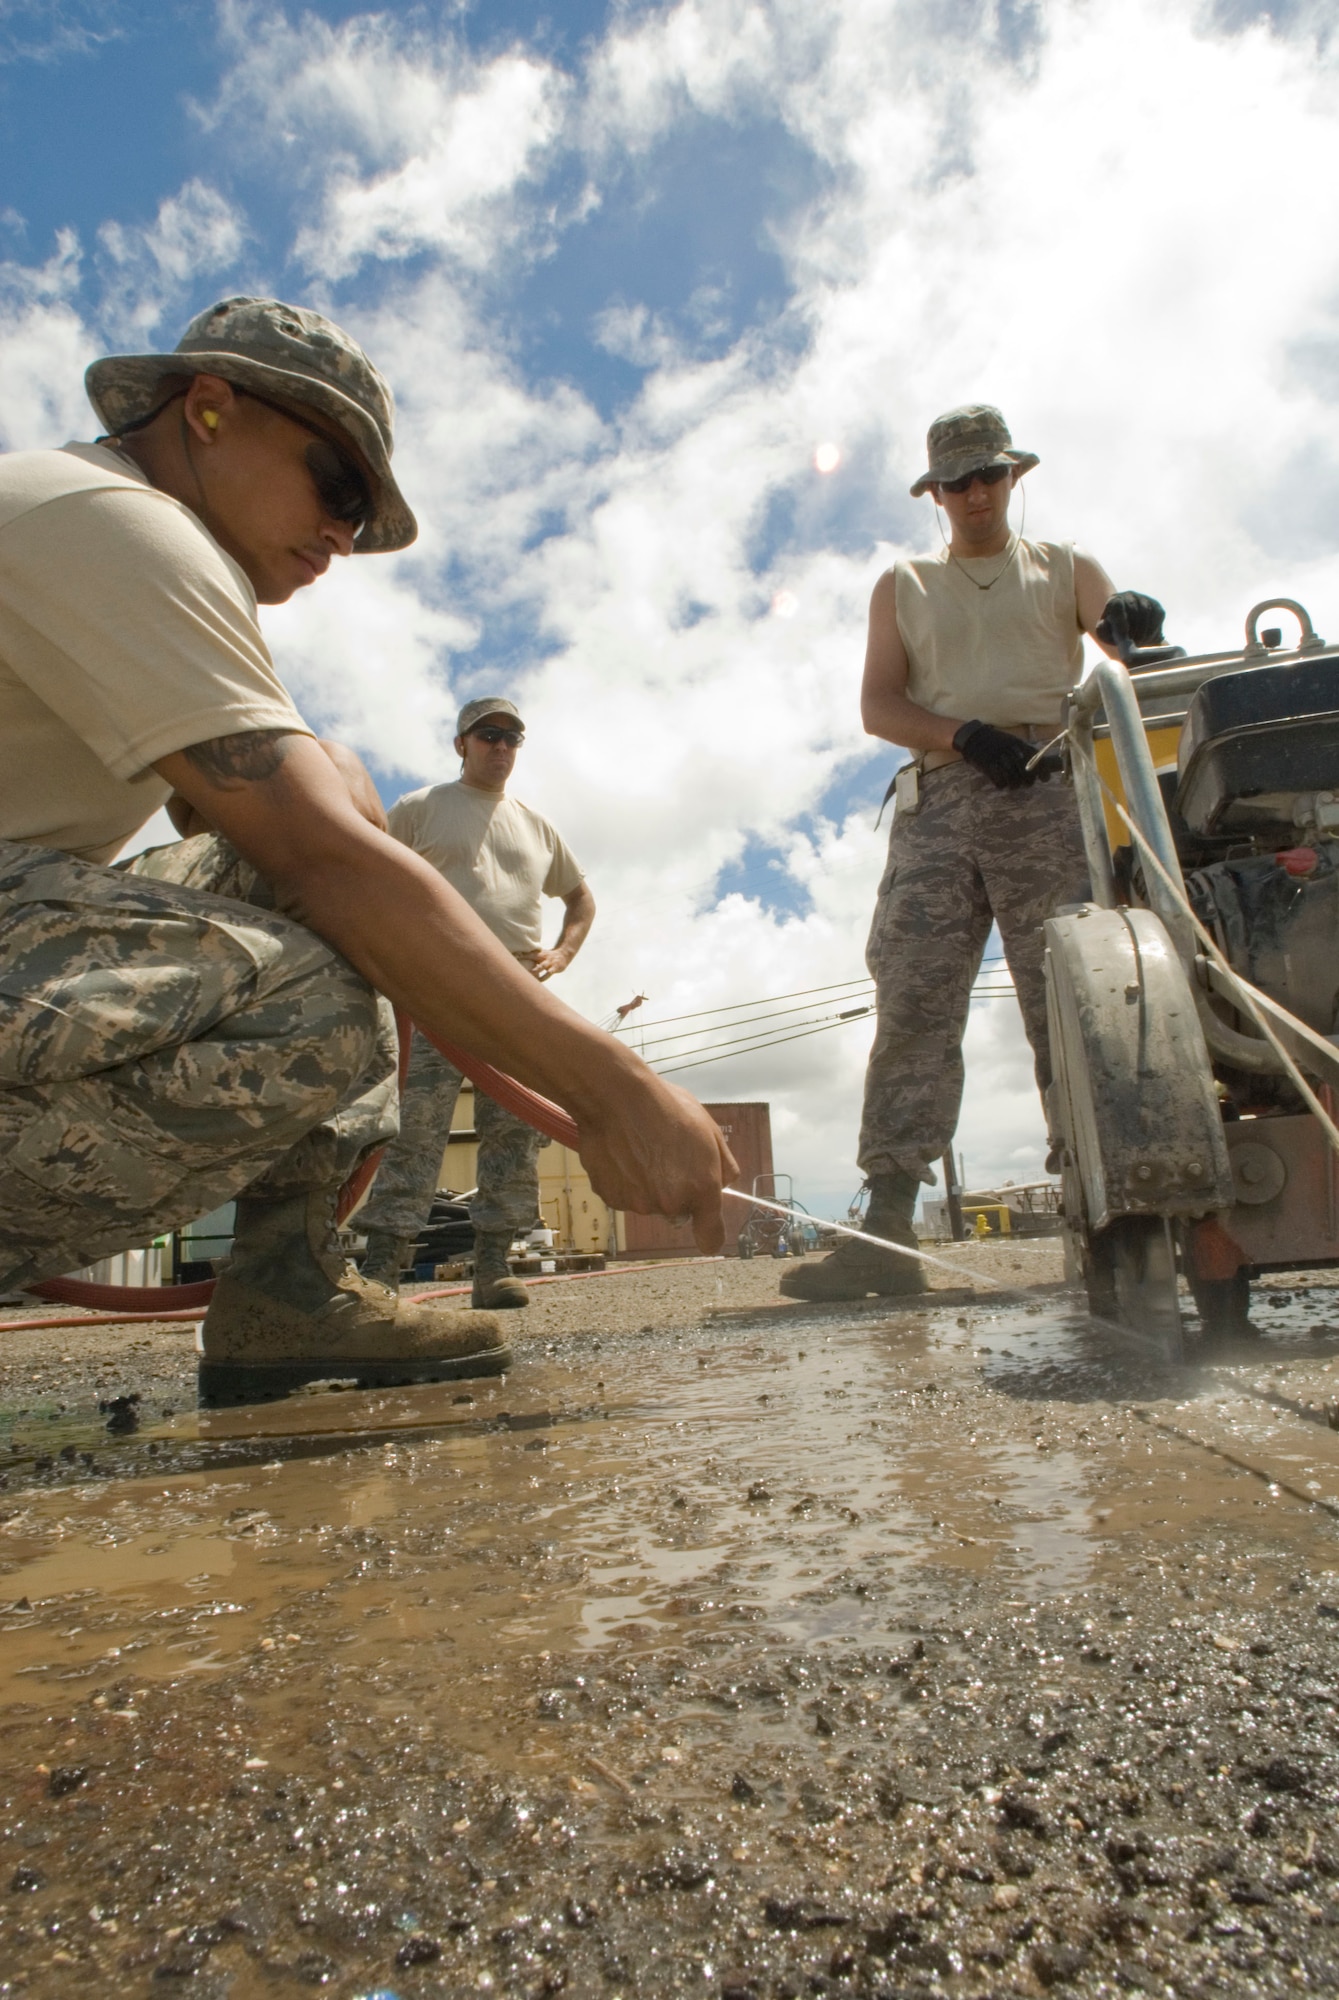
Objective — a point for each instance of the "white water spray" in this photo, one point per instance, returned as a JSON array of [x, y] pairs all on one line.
[[877, 1242]]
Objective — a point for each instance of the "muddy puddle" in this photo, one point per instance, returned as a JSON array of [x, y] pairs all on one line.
[[833, 1485], [709, 1587]]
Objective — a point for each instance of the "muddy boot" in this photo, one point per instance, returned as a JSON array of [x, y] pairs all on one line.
[[386, 1257], [495, 1289], [289, 1309], [854, 1269]]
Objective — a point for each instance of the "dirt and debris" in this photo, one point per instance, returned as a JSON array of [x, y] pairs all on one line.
[[152, 1366], [722, 1648]]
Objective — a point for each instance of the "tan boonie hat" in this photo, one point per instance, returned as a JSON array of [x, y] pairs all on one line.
[[968, 440], [475, 711], [291, 355]]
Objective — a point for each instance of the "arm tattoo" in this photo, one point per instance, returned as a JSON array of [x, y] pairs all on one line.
[[252, 754]]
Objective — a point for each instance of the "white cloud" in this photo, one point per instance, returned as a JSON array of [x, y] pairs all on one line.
[[1111, 271], [50, 330], [486, 458], [316, 95], [709, 57], [409, 142], [44, 349], [148, 270], [1084, 237], [1123, 231], [452, 196], [635, 333], [43, 31], [363, 660]]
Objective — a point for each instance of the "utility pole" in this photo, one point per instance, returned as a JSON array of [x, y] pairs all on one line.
[[953, 1194]]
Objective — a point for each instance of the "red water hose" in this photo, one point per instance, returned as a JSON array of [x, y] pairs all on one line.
[[135, 1298], [550, 1119], [416, 1298], [527, 1105]]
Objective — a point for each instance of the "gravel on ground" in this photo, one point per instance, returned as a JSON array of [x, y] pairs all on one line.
[[725, 1647]]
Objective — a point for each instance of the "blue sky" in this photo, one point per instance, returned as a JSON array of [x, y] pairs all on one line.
[[139, 83], [628, 268]]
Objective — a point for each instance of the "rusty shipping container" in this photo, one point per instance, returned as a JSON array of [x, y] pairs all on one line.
[[748, 1134]]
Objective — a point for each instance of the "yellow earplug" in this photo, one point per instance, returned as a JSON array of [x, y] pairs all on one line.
[[210, 419]]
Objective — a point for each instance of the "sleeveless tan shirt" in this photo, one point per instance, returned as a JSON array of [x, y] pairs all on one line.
[[1007, 655]]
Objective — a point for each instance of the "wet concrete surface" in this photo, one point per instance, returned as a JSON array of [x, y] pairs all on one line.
[[732, 1649]]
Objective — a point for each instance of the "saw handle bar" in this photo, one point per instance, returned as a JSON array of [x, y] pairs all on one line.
[[1140, 658]]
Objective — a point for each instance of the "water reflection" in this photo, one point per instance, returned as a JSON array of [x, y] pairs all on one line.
[[833, 1478]]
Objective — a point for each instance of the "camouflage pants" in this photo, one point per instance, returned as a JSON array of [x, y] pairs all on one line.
[[508, 1160], [164, 1046], [971, 854]]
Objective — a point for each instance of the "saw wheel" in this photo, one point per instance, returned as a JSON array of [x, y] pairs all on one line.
[[1135, 1113], [1132, 1280]]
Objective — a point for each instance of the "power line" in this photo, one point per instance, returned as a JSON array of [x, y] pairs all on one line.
[[734, 1006], [767, 1036], [986, 990], [744, 1021], [768, 1000], [768, 1013], [726, 1051], [701, 1062]]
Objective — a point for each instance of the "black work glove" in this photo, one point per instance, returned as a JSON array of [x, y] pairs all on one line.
[[1131, 618], [1003, 758]]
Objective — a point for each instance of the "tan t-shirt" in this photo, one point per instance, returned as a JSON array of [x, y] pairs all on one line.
[[125, 633], [1006, 655], [494, 851]]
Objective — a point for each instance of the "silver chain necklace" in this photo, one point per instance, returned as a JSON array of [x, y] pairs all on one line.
[[998, 574], [1013, 551]]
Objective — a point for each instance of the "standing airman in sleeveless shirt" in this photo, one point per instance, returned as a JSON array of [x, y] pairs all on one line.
[[971, 653]]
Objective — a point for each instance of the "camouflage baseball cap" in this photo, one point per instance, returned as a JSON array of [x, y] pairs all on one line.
[[291, 355], [967, 440], [482, 705]]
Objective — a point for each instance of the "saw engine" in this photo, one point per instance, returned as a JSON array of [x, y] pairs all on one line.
[[1257, 781], [1275, 917]]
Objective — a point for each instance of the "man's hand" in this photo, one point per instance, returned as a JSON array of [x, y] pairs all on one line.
[[578, 916], [660, 1136], [649, 1146], [1003, 758], [1131, 618], [548, 960]]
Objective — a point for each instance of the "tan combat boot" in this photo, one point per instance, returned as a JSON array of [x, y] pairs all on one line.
[[495, 1288], [855, 1269], [288, 1309]]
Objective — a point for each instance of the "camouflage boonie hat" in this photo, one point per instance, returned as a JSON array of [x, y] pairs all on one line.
[[968, 440], [287, 353], [482, 705]]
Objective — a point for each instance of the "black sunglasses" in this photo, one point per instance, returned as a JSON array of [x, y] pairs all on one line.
[[340, 486], [488, 732], [989, 475]]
